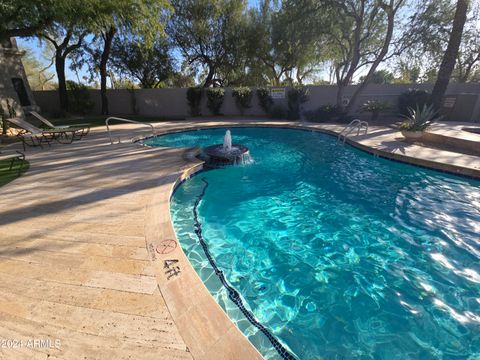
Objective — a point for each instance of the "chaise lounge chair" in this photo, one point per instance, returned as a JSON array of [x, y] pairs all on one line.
[[51, 126], [13, 157], [33, 136]]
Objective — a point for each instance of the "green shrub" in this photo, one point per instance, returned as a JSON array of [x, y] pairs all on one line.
[[411, 99], [215, 99], [296, 97], [323, 113], [194, 98], [264, 99], [278, 112], [243, 98], [376, 107], [78, 98]]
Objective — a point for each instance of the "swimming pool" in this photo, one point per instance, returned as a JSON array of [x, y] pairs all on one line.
[[338, 254]]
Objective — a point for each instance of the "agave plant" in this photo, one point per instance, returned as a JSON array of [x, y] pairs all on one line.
[[420, 118]]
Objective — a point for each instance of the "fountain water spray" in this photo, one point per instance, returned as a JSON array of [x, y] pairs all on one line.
[[227, 141], [226, 153]]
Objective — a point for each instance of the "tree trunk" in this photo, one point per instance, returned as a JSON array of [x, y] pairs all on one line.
[[62, 50], [62, 84], [340, 92], [344, 79], [209, 79], [450, 56], [385, 46], [108, 38]]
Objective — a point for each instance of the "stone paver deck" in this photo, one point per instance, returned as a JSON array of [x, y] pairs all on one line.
[[73, 260], [82, 257]]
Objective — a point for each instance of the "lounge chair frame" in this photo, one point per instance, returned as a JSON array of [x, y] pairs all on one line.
[[32, 136], [13, 157], [79, 134]]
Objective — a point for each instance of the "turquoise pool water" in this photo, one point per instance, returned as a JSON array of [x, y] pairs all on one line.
[[339, 254]]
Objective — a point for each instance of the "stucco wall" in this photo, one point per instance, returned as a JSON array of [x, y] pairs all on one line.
[[11, 67], [172, 103]]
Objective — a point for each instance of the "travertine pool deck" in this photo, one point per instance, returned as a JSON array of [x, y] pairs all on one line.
[[89, 258]]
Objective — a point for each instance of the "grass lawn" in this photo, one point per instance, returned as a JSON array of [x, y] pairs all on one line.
[[9, 175]]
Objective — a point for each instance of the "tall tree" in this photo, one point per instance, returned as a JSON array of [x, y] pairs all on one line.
[[208, 33], [467, 68], [65, 39], [149, 65], [266, 40], [288, 40], [38, 74], [430, 28], [59, 22], [468, 59], [107, 33], [361, 39], [140, 17], [450, 56], [67, 33]]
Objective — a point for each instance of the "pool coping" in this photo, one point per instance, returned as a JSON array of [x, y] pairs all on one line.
[[206, 329]]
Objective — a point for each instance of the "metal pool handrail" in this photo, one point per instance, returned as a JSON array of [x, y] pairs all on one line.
[[356, 124], [124, 120]]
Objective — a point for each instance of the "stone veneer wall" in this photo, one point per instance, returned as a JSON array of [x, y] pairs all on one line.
[[172, 103]]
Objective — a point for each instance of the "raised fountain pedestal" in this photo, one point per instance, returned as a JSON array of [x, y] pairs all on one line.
[[217, 155]]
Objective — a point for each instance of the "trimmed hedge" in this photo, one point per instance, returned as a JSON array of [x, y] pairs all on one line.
[[296, 97], [194, 98], [215, 98], [243, 98], [264, 99]]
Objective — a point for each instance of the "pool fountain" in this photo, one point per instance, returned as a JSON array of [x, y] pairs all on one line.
[[220, 155]]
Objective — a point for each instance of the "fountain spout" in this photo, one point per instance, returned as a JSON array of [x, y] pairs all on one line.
[[226, 154], [227, 141]]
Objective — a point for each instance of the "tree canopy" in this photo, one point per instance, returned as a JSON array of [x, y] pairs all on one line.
[[151, 43], [148, 65], [26, 18], [209, 34]]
